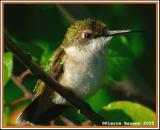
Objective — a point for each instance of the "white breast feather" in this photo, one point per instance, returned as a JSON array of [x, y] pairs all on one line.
[[85, 74]]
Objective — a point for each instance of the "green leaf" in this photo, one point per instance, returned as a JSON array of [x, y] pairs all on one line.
[[8, 66], [48, 51], [6, 115], [101, 98], [129, 113], [122, 53], [137, 47], [46, 54], [12, 92]]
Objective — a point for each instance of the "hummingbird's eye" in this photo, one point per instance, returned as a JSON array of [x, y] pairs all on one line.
[[87, 35]]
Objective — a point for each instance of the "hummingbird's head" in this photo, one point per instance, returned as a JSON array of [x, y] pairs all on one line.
[[86, 37], [90, 35], [84, 32]]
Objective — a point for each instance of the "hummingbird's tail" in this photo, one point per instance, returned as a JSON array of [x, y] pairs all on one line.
[[32, 115]]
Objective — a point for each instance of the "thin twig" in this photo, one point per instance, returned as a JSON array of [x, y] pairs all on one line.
[[84, 108], [21, 86], [68, 16], [18, 101], [24, 75]]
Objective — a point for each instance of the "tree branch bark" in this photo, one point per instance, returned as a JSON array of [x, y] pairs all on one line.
[[26, 59]]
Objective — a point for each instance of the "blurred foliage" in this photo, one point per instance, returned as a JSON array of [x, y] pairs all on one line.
[[8, 66], [40, 29]]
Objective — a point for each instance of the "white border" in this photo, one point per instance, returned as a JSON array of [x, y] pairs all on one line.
[[75, 2]]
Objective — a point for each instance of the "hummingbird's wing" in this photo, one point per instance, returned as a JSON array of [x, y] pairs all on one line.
[[41, 110], [55, 70]]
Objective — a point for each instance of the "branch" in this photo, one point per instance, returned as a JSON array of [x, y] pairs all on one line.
[[67, 15], [74, 12], [24, 75], [135, 89], [18, 101], [27, 94], [21, 86], [26, 59]]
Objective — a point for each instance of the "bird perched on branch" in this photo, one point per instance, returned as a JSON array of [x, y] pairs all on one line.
[[78, 64]]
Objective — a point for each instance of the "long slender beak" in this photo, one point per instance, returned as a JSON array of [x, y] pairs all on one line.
[[123, 32]]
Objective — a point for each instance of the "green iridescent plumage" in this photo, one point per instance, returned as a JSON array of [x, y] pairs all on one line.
[[88, 24]]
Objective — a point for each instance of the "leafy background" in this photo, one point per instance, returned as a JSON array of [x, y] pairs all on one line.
[[128, 93]]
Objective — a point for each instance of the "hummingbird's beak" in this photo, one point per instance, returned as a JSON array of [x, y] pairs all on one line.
[[123, 32]]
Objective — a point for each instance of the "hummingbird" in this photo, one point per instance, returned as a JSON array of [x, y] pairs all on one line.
[[78, 64]]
